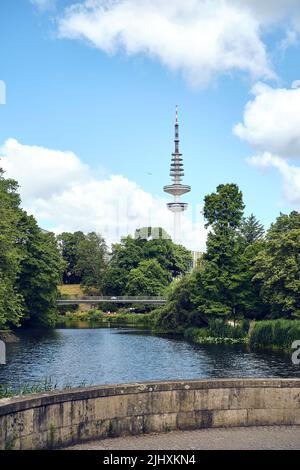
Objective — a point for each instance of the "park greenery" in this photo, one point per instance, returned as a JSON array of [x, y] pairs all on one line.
[[244, 273], [246, 285], [30, 264]]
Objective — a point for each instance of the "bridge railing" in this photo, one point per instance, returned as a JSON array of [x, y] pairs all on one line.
[[111, 299]]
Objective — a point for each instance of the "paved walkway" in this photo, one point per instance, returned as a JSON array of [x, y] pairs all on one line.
[[263, 437]]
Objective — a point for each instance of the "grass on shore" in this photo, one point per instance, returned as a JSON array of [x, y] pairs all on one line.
[[45, 385], [71, 290], [275, 334]]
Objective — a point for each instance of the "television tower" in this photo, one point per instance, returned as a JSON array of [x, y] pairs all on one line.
[[176, 188]]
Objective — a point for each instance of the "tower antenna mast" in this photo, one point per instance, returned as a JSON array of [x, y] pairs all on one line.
[[177, 189]]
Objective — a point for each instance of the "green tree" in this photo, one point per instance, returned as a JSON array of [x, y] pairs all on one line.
[[223, 272], [173, 259], [253, 305], [181, 310], [125, 256], [251, 229], [223, 275], [149, 278], [69, 243], [114, 280], [224, 208], [41, 269], [277, 267], [30, 264], [92, 260], [10, 256], [176, 259]]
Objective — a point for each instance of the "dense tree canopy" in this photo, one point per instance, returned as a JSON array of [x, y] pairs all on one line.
[[30, 264], [69, 243], [149, 278], [223, 271], [243, 273], [40, 273], [130, 254], [277, 267], [224, 208], [92, 260], [11, 308]]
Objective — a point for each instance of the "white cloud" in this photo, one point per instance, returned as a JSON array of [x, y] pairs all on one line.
[[271, 125], [60, 190], [272, 120], [200, 39], [41, 172], [289, 173]]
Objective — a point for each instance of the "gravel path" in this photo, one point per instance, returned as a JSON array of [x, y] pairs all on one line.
[[263, 437]]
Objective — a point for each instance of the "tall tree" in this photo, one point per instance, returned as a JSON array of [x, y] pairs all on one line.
[[224, 208], [223, 267], [251, 229], [277, 267], [41, 270], [30, 264], [69, 243], [10, 300], [92, 260]]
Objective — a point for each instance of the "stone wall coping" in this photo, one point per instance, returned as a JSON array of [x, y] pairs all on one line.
[[25, 402]]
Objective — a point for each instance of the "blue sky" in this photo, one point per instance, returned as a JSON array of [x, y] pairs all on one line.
[[113, 108]]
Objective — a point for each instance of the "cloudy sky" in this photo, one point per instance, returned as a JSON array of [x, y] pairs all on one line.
[[91, 88]]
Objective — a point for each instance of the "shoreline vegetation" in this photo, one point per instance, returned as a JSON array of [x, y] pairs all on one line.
[[276, 334]]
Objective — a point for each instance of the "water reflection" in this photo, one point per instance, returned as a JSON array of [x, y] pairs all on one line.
[[100, 356]]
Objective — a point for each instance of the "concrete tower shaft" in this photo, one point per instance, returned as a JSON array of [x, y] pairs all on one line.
[[177, 189]]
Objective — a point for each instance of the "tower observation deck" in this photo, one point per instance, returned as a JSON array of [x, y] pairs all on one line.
[[177, 189]]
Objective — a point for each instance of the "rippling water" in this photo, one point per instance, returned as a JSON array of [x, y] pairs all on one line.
[[101, 356]]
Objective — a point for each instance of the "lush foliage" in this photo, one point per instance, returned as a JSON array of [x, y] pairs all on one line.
[[251, 229], [149, 278], [244, 274], [92, 260], [224, 208], [69, 243], [277, 267], [140, 266], [223, 271], [40, 273], [30, 264], [11, 308]]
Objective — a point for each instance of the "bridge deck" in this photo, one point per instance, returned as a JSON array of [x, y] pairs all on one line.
[[114, 299]]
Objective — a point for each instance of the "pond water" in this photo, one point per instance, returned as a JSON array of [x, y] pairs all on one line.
[[115, 355]]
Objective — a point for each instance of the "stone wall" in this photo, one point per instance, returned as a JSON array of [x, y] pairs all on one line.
[[55, 419]]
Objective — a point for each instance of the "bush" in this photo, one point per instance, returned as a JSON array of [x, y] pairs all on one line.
[[275, 333], [219, 329], [195, 334]]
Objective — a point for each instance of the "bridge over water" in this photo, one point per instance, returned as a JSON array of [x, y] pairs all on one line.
[[113, 299]]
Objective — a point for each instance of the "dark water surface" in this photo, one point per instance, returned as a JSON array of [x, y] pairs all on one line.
[[115, 355]]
